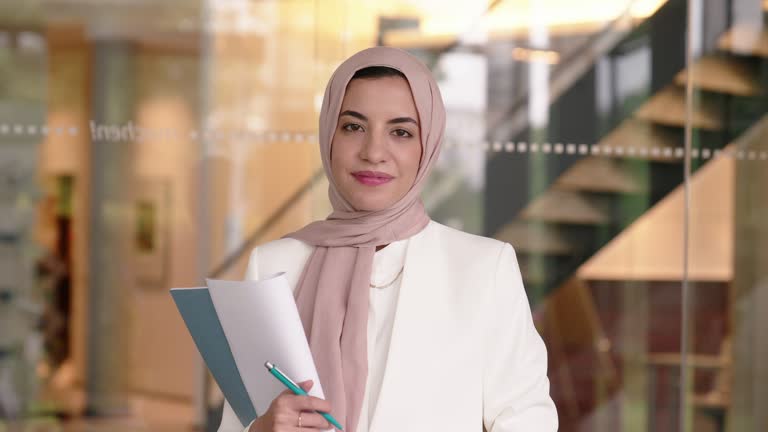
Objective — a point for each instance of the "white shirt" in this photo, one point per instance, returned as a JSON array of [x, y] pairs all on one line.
[[387, 263]]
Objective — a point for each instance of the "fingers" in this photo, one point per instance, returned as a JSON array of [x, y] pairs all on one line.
[[307, 403], [310, 421], [287, 406], [314, 421]]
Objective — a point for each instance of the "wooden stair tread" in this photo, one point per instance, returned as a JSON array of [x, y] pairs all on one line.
[[667, 107], [723, 75], [756, 41], [701, 361], [641, 139], [534, 238], [598, 174], [562, 206]]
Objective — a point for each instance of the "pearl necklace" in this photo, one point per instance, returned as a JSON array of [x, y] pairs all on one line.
[[390, 282]]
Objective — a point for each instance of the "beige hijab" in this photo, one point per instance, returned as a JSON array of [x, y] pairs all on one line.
[[332, 292]]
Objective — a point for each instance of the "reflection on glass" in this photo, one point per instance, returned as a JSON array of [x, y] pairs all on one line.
[[565, 137]]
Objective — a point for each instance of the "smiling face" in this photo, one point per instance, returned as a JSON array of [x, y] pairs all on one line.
[[376, 148]]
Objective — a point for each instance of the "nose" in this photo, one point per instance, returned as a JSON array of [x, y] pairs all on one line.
[[373, 149]]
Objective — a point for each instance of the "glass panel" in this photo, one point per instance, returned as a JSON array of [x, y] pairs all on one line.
[[558, 141], [147, 145], [584, 177], [23, 95], [98, 102], [725, 376]]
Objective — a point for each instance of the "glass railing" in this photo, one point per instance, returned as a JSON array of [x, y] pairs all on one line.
[[146, 146]]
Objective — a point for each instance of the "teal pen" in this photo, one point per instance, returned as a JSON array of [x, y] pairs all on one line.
[[277, 373]]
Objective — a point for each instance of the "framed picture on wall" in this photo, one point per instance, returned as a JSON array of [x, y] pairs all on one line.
[[150, 233]]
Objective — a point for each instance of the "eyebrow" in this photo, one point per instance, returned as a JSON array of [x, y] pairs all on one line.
[[394, 120]]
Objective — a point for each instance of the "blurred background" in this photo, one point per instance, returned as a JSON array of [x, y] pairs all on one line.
[[621, 146]]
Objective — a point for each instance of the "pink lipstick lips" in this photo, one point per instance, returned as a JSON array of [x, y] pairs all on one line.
[[372, 178]]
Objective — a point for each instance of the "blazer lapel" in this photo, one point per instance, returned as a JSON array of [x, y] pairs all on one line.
[[401, 387]]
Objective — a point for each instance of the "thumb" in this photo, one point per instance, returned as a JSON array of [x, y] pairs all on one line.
[[306, 385]]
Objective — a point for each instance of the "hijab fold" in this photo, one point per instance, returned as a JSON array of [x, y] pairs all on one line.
[[333, 289]]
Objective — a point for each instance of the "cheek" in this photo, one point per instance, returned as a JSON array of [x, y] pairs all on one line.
[[410, 161], [334, 158], [335, 148], [339, 155]]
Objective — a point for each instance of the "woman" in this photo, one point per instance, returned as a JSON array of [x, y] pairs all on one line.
[[414, 326]]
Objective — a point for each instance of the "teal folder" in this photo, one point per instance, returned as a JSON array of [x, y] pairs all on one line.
[[199, 314]]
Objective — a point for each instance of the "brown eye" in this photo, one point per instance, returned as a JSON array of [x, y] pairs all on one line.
[[402, 133], [352, 127]]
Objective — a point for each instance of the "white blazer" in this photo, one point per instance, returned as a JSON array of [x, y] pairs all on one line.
[[464, 352]]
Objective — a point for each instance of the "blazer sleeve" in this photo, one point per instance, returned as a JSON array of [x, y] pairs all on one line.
[[229, 420], [515, 384]]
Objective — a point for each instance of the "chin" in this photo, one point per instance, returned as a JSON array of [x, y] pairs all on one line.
[[370, 205]]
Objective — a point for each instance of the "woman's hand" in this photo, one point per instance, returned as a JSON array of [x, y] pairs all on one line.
[[283, 413]]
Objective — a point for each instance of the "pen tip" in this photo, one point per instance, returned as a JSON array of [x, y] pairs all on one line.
[[268, 365]]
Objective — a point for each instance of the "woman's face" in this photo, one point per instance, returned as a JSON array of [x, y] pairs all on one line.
[[376, 148]]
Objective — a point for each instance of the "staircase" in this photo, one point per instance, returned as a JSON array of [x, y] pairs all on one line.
[[591, 193]]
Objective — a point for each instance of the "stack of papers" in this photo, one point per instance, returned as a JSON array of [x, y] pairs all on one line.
[[239, 325]]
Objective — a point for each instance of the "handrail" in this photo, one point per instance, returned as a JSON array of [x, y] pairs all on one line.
[[572, 66], [457, 41], [253, 239]]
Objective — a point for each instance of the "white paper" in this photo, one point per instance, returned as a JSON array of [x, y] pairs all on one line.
[[261, 323]]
